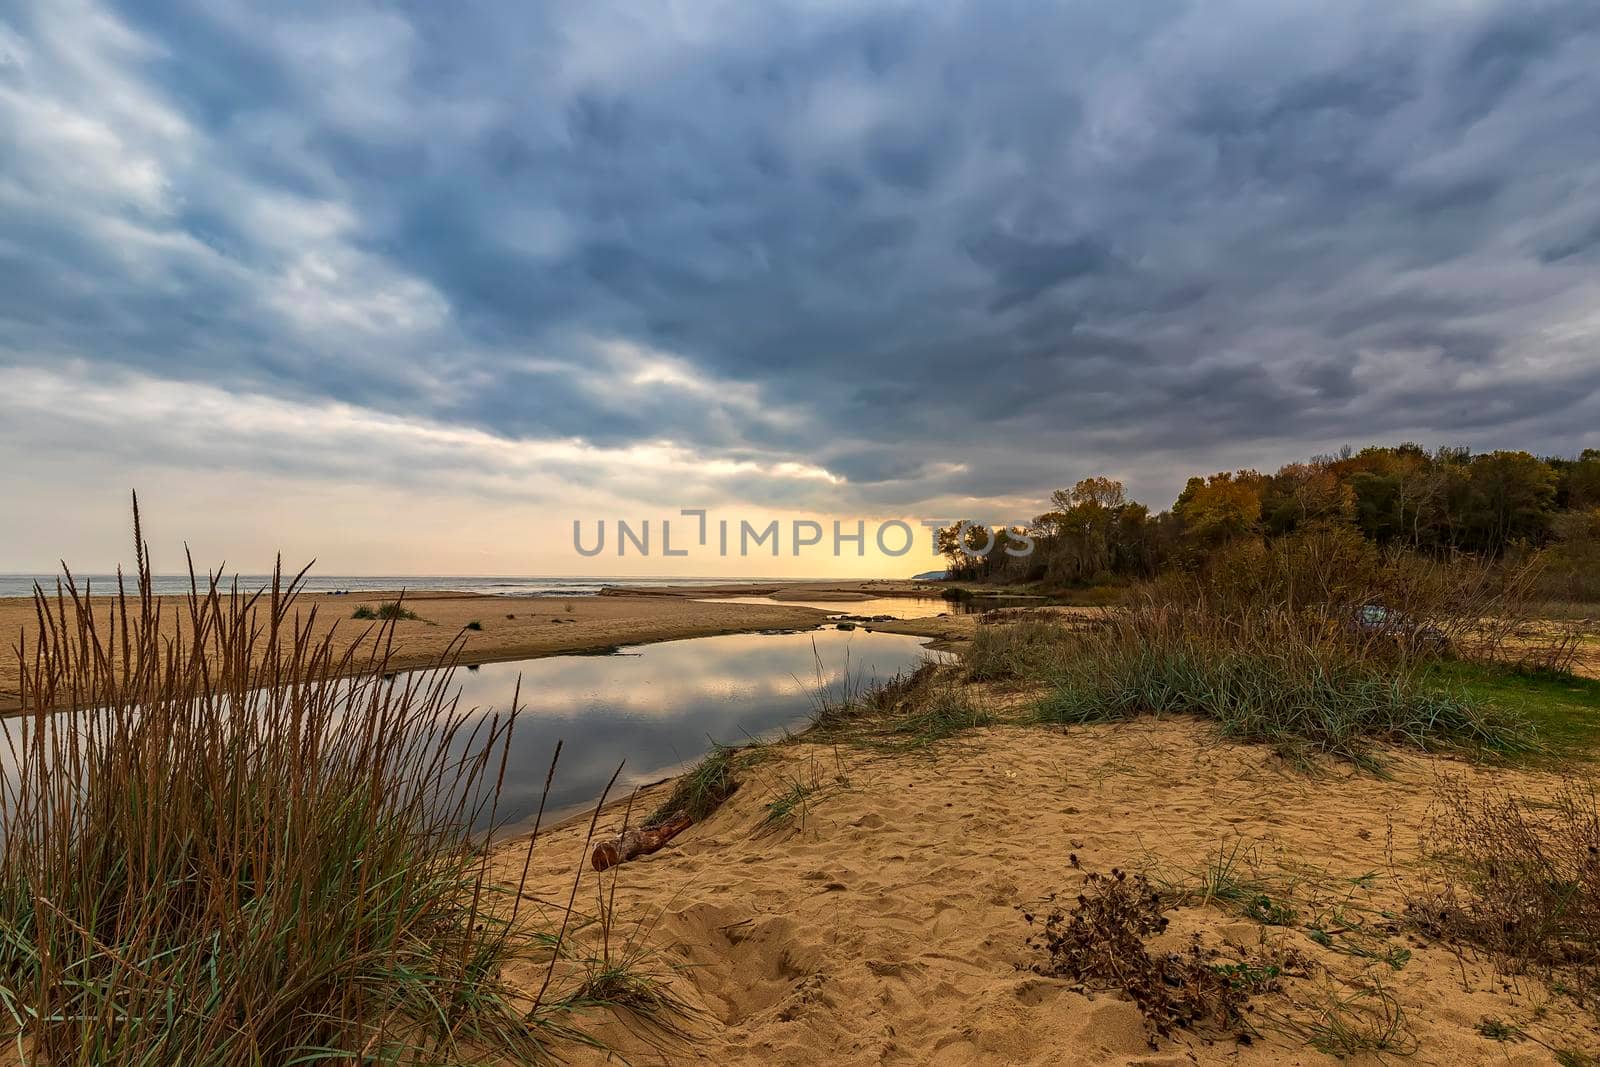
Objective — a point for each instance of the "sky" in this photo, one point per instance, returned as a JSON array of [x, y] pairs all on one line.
[[410, 287]]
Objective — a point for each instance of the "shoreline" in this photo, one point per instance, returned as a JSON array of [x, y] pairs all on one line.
[[865, 892], [537, 627]]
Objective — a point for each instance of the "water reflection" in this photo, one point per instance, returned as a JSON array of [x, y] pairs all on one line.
[[660, 706], [896, 607]]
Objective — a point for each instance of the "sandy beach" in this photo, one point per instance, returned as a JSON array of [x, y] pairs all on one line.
[[883, 919], [529, 627], [885, 924], [512, 627]]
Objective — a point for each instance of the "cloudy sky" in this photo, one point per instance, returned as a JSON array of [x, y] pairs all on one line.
[[411, 286]]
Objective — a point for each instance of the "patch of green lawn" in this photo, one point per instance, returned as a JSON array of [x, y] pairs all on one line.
[[1565, 708]]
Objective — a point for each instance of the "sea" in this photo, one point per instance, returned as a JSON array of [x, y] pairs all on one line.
[[21, 585]]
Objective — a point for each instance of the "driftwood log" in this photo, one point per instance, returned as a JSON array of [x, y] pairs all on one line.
[[633, 843]]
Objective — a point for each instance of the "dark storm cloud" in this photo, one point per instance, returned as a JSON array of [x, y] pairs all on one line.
[[938, 249]]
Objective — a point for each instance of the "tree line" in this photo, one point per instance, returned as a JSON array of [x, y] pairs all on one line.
[[1442, 502]]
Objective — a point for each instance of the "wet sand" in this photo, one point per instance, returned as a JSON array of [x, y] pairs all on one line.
[[842, 591]]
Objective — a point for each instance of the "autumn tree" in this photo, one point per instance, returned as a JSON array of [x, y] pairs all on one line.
[[1092, 532], [1220, 508]]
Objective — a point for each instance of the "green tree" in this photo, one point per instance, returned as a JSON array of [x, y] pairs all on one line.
[[1512, 498]]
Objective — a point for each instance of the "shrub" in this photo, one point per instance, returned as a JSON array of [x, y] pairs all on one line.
[[475, 625], [1324, 577], [1519, 878], [388, 611]]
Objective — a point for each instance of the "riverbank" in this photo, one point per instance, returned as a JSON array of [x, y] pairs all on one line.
[[531, 627], [509, 628], [872, 890], [842, 590]]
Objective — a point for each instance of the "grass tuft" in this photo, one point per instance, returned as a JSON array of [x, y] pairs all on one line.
[[1012, 651], [1368, 1021], [1269, 678], [702, 790], [1498, 1029], [943, 712], [789, 808], [244, 845], [388, 611]]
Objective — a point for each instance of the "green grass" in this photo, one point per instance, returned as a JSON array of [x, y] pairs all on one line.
[[1298, 682], [388, 611], [1262, 908], [1369, 1021], [702, 789], [1300, 702], [1497, 1029], [1564, 709], [790, 806]]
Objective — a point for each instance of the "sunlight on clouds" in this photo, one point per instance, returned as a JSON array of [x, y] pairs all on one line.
[[199, 422], [825, 254], [643, 367]]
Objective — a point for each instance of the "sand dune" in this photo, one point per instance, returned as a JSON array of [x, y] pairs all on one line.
[[884, 925]]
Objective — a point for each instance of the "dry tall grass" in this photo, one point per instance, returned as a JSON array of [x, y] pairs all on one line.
[[1520, 877], [240, 845], [1478, 608]]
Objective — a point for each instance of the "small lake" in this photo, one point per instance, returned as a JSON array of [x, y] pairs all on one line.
[[660, 706]]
